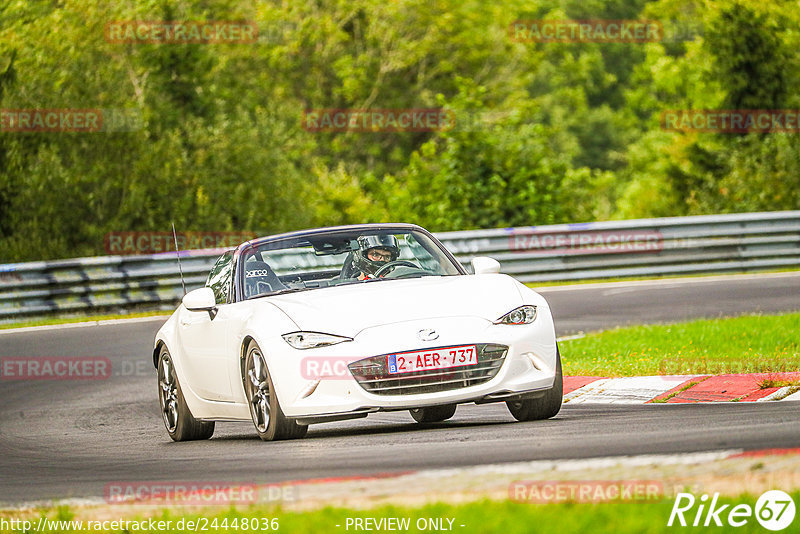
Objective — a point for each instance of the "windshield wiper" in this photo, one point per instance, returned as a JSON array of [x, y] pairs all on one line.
[[280, 292], [351, 282], [289, 290]]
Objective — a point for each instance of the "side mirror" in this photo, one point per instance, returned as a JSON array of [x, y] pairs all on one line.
[[200, 300], [484, 265]]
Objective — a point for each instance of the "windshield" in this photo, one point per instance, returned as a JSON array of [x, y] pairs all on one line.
[[339, 258]]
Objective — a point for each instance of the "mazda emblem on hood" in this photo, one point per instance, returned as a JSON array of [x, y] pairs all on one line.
[[427, 334]]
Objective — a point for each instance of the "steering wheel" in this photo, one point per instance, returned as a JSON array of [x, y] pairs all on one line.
[[392, 265]]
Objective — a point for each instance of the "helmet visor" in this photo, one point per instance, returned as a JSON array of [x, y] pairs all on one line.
[[386, 242]]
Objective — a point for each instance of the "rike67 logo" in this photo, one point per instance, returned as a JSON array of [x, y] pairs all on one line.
[[774, 510]]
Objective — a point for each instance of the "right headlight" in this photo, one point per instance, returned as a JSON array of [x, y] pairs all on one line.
[[522, 315], [310, 340]]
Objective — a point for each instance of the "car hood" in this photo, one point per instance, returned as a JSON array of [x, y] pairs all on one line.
[[347, 310]]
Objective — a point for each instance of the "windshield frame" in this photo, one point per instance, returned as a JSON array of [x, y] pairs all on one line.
[[279, 240]]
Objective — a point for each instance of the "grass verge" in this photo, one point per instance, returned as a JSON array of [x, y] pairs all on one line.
[[487, 516], [747, 344], [81, 319]]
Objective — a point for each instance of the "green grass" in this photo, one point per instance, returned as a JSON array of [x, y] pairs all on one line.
[[80, 319], [486, 517], [747, 344]]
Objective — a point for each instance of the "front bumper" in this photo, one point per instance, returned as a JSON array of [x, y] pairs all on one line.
[[373, 375], [526, 368]]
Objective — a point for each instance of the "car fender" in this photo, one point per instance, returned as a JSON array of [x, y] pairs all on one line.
[[265, 323], [166, 335]]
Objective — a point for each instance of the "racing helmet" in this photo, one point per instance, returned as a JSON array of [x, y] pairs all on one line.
[[369, 242]]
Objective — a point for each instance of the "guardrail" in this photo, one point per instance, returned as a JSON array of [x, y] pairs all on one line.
[[642, 247]]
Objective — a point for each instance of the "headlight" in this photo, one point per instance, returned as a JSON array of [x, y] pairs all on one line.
[[310, 340], [521, 315]]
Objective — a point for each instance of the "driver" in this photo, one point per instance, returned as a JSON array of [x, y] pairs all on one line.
[[374, 251]]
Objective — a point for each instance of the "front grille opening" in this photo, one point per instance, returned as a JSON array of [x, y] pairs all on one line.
[[373, 375]]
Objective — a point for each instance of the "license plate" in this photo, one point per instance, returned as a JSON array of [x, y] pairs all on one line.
[[425, 360]]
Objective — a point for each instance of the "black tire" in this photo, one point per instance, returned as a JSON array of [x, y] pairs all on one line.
[[543, 407], [272, 424], [433, 414], [178, 419]]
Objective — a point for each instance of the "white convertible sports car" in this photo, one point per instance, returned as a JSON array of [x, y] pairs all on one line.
[[336, 323]]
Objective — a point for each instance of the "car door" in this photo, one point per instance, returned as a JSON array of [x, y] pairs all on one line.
[[204, 338]]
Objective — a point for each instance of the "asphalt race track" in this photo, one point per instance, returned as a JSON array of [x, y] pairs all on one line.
[[588, 307], [61, 439]]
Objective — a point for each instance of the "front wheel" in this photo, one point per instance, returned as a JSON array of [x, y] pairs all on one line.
[[179, 421], [265, 409], [433, 414], [544, 407]]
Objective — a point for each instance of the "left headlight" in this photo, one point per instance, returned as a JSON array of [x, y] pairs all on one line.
[[310, 340], [521, 315]]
